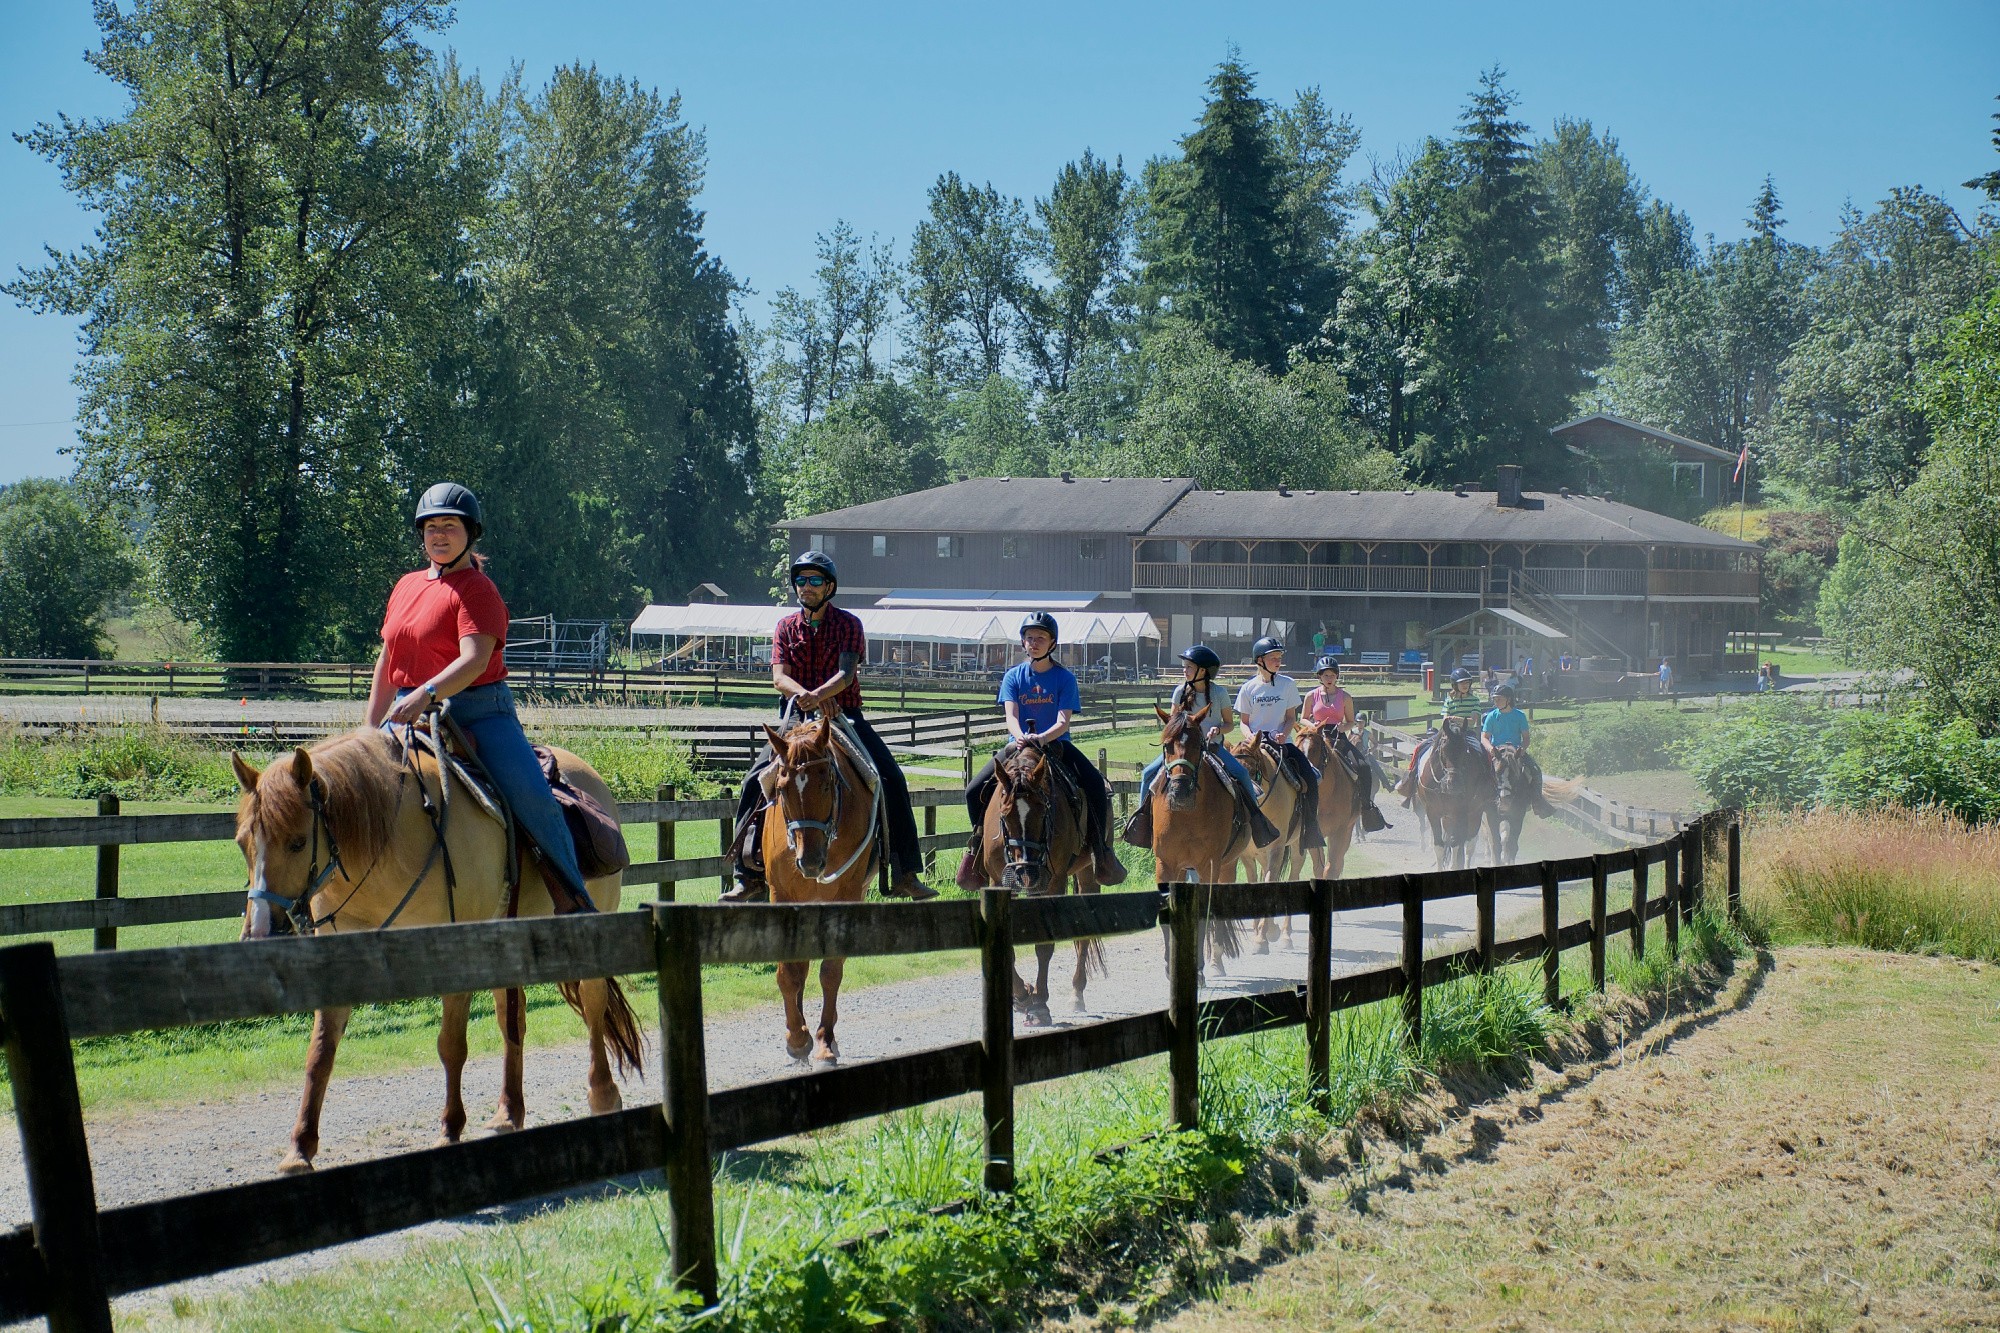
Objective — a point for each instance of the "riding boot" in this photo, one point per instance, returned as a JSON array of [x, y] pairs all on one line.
[[749, 887], [1373, 820], [1262, 831], [971, 877], [1110, 870], [1139, 825], [905, 884]]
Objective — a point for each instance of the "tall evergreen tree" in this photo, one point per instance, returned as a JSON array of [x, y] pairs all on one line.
[[1080, 238]]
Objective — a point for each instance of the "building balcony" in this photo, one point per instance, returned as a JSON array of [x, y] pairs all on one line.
[[1404, 580]]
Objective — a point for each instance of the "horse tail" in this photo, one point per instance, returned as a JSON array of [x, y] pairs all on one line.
[[1224, 936], [1091, 954], [621, 1025]]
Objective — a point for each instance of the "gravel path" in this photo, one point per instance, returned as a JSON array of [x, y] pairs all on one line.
[[153, 1152]]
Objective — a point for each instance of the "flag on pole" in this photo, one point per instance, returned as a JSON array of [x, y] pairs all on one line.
[[1742, 461]]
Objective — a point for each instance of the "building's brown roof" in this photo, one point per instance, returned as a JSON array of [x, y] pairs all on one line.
[[1602, 425], [1122, 505]]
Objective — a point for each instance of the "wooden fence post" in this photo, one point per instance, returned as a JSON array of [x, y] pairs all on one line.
[[965, 724], [1736, 865], [666, 835], [62, 1198], [684, 1101], [1319, 996], [930, 831], [1487, 927], [1638, 906], [1413, 960], [1670, 886], [1600, 887], [1551, 933], [1183, 1008], [996, 1063], [724, 829], [107, 873]]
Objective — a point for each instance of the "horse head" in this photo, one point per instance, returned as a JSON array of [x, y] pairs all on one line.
[[1182, 745], [806, 789], [1026, 802], [296, 819], [1508, 778]]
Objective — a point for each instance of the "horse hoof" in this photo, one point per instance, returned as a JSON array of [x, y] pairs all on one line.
[[827, 1057], [800, 1051], [1080, 1007], [1038, 1017], [501, 1123], [606, 1101], [1262, 947], [295, 1165]]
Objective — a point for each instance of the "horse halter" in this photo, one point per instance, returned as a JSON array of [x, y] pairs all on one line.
[[1020, 850], [824, 827], [298, 911]]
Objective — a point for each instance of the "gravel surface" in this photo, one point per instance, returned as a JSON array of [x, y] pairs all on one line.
[[153, 1152]]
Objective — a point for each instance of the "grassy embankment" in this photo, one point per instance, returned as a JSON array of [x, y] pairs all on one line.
[[834, 1232]]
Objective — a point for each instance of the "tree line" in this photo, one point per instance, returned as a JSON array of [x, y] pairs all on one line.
[[331, 266]]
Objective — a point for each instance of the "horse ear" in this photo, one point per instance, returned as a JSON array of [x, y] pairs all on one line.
[[246, 776], [1163, 714], [1003, 777], [302, 767], [1196, 719], [777, 741]]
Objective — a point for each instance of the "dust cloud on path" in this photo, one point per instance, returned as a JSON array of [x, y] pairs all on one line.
[[155, 1152]]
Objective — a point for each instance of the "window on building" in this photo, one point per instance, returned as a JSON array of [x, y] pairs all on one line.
[[821, 541], [883, 544], [1010, 548], [1692, 477], [950, 548], [1092, 548]]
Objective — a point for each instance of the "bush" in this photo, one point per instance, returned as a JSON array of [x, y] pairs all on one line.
[[1612, 740], [1762, 752], [139, 763]]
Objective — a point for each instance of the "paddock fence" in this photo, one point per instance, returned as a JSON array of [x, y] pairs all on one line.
[[67, 1264]]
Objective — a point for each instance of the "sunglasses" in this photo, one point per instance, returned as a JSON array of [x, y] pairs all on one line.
[[810, 581]]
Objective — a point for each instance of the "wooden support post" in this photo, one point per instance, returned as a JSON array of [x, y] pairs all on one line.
[[1486, 905], [1183, 1009], [666, 835], [62, 1198], [107, 874], [724, 830], [1670, 887], [1413, 960], [930, 831], [1694, 867], [1638, 907], [1735, 881], [1319, 996], [1600, 887], [684, 1102], [996, 1063], [1551, 929]]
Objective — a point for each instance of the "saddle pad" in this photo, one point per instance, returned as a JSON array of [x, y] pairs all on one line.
[[463, 778], [1236, 820]]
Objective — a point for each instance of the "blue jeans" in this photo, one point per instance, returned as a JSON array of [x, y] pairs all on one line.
[[485, 713], [1229, 761]]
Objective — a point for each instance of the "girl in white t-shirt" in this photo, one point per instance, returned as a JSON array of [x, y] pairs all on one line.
[[1269, 704]]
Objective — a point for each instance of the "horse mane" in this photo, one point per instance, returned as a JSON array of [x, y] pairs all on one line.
[[361, 782]]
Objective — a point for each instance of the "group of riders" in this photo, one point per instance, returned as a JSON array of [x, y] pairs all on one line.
[[444, 636]]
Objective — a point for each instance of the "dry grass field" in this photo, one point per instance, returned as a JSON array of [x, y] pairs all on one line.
[[1820, 1149]]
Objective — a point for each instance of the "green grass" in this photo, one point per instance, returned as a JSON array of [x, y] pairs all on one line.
[[834, 1231]]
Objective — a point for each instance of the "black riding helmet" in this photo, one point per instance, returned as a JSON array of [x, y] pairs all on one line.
[[1041, 620], [1270, 643], [1327, 663], [817, 562], [1202, 656], [448, 497], [1504, 692], [1459, 675]]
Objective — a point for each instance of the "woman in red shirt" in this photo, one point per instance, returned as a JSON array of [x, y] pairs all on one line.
[[444, 636]]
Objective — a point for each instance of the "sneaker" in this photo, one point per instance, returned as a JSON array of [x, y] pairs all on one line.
[[904, 884], [747, 890]]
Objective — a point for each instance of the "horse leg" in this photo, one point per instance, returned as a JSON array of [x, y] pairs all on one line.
[[791, 985], [603, 1089], [1036, 1012], [328, 1025], [827, 1050], [451, 1054]]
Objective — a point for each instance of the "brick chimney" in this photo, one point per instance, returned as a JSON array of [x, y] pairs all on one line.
[[1508, 493]]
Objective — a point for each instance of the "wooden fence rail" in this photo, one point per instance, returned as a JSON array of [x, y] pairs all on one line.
[[67, 1264]]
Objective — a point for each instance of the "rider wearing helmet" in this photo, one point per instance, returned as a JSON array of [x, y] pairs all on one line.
[[444, 636], [1197, 691], [1269, 704], [816, 655], [1461, 710], [1331, 707], [1039, 695], [1508, 725]]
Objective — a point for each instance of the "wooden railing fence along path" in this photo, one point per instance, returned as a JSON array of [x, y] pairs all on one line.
[[73, 1257]]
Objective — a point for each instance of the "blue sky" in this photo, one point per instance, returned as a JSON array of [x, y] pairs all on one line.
[[818, 112]]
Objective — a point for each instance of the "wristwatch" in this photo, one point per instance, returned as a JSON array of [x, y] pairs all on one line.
[[432, 691]]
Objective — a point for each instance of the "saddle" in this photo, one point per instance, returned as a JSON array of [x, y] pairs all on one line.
[[1451, 736]]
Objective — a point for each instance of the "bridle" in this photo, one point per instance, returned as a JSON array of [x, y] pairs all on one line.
[[828, 827], [1022, 853], [1182, 765]]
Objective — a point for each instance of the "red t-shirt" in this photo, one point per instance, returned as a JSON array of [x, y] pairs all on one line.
[[427, 617]]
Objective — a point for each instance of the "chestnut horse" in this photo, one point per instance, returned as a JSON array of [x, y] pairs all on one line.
[[1339, 802], [1455, 791], [1034, 841], [1195, 833], [340, 833], [821, 842]]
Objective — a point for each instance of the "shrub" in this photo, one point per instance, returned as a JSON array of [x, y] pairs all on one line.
[[139, 763], [1765, 751], [1613, 740]]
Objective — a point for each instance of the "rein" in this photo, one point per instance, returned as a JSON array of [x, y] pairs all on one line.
[[829, 827]]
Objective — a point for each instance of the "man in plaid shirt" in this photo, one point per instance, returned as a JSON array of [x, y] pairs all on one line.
[[816, 656]]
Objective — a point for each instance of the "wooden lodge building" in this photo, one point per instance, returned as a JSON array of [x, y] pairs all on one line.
[[1412, 574]]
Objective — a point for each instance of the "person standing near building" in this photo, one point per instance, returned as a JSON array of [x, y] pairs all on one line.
[[1666, 674], [816, 655], [1269, 705]]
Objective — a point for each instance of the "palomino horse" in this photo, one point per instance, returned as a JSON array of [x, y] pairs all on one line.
[[1034, 840], [341, 831], [820, 846], [1514, 797], [1280, 804], [1454, 792], [1195, 833], [1339, 802]]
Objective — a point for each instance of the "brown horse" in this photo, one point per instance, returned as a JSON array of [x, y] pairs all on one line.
[[821, 844], [1454, 791], [1195, 833], [1280, 805], [1035, 840], [1339, 802], [340, 831], [1514, 797]]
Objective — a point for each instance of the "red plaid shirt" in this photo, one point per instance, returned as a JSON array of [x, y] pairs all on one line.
[[810, 654]]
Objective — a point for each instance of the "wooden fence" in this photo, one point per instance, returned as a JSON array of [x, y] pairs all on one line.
[[68, 1263]]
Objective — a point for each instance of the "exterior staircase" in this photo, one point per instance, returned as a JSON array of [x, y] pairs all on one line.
[[1523, 594]]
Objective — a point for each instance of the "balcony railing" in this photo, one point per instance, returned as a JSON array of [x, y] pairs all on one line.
[[1569, 581], [1702, 583], [1446, 581]]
